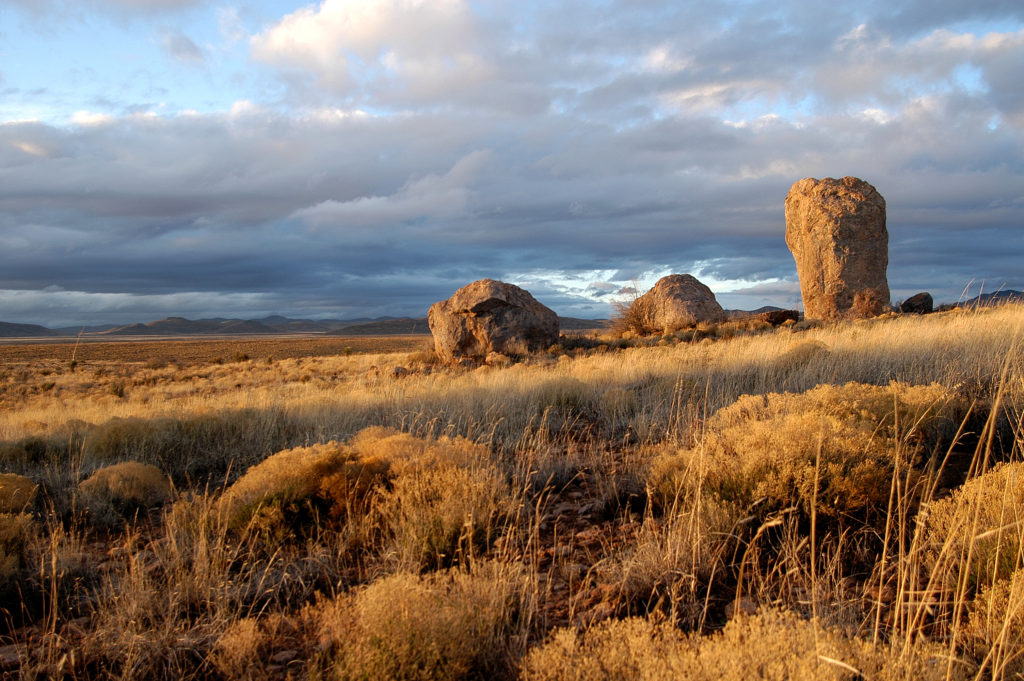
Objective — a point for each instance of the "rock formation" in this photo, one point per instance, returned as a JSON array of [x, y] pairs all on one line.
[[676, 302], [836, 231], [920, 303], [491, 316]]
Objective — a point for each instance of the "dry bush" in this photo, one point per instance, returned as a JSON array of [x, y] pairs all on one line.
[[434, 499], [975, 536], [165, 603], [771, 645], [994, 634], [295, 490], [446, 498], [16, 493], [446, 625], [443, 515], [17, 532], [247, 648], [840, 445], [632, 318], [670, 560], [118, 492]]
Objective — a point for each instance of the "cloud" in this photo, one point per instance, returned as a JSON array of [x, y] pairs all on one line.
[[428, 46], [433, 196], [390, 151], [181, 47]]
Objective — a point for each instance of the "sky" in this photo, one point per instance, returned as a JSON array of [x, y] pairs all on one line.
[[365, 158]]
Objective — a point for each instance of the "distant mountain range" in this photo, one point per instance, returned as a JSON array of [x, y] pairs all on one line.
[[381, 326], [274, 325]]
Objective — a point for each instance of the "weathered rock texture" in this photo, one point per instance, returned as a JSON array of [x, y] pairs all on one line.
[[491, 316], [920, 303], [836, 231], [676, 302]]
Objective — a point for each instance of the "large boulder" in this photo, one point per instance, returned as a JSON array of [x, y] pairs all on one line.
[[836, 231], [491, 316], [676, 302]]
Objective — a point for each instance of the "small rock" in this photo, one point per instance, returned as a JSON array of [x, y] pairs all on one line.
[[599, 612], [740, 606], [921, 303], [563, 508], [284, 656], [496, 359], [12, 655], [779, 317]]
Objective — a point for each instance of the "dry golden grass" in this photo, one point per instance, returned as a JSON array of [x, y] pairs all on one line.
[[337, 518], [444, 626], [836, 447], [772, 645], [16, 492]]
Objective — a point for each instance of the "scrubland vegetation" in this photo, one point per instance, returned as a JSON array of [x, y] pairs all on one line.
[[814, 501]]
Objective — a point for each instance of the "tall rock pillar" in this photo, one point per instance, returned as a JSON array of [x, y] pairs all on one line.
[[836, 231]]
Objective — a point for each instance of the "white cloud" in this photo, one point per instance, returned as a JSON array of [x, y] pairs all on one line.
[[425, 47], [88, 118]]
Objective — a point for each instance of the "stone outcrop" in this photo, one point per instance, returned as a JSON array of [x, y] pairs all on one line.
[[836, 231], [920, 303], [676, 302], [491, 316]]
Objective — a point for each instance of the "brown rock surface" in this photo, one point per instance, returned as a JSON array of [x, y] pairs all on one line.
[[836, 231], [491, 316], [676, 302]]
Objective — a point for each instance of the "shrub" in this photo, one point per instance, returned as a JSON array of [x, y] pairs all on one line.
[[442, 515], [978, 531], [16, 493], [17, 530], [445, 499], [434, 497], [245, 650], [765, 448], [449, 625], [772, 644], [120, 491], [994, 634], [295, 489]]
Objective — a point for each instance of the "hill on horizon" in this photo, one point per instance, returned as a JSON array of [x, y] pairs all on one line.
[[365, 326]]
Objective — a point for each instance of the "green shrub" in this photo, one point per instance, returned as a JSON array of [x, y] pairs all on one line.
[[118, 492], [765, 448], [448, 625], [771, 645]]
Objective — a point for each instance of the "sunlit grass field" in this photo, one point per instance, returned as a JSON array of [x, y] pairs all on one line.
[[811, 501]]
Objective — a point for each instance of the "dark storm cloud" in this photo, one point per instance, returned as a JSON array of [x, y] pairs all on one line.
[[508, 144]]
